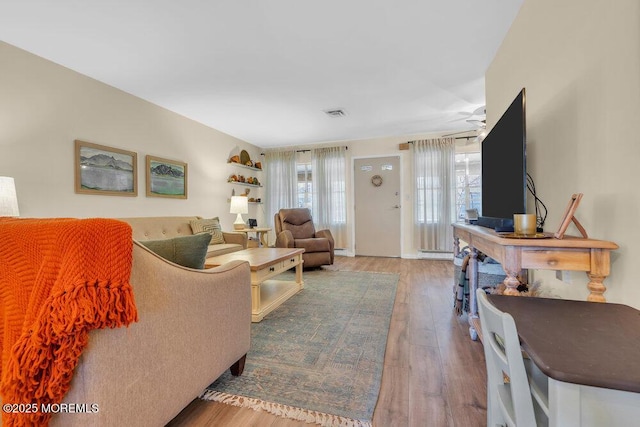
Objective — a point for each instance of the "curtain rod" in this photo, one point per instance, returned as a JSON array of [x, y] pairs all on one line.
[[457, 137], [307, 150]]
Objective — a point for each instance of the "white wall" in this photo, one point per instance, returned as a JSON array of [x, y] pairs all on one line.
[[44, 107], [580, 63]]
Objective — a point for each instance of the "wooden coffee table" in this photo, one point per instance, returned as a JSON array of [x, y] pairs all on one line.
[[265, 263]]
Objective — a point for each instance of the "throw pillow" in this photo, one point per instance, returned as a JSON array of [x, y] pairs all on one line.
[[188, 251], [211, 226]]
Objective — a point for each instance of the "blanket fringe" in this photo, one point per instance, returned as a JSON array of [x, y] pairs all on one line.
[[60, 279], [284, 411]]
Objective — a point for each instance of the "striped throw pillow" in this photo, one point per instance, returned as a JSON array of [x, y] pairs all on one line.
[[211, 226]]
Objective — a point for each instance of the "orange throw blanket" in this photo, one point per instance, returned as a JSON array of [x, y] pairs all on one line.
[[59, 279]]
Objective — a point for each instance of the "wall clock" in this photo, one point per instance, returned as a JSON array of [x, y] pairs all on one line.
[[376, 180]]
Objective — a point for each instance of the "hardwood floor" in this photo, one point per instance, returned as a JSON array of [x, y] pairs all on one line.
[[434, 375]]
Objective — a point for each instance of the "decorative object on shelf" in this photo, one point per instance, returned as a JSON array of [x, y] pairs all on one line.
[[244, 180], [245, 159], [249, 200], [8, 197], [166, 178], [376, 180], [569, 216], [105, 170], [239, 205]]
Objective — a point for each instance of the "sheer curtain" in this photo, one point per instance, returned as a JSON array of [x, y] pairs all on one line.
[[329, 192], [282, 182], [434, 180]]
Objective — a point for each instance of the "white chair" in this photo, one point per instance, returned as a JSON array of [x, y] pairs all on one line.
[[521, 399]]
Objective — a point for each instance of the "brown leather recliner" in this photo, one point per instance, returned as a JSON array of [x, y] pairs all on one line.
[[295, 229]]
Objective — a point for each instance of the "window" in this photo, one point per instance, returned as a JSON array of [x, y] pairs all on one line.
[[468, 184], [312, 179], [305, 185], [426, 186]]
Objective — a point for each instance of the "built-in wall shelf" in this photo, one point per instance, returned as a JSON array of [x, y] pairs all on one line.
[[246, 167], [245, 184]]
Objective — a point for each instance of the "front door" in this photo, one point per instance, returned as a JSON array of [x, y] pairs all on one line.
[[377, 206]]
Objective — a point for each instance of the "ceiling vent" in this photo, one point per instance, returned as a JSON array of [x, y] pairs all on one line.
[[336, 112]]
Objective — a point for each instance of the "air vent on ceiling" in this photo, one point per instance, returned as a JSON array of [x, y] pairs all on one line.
[[336, 112]]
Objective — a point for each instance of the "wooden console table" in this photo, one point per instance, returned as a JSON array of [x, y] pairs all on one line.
[[570, 253]]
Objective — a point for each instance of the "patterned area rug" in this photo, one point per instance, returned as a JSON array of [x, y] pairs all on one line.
[[318, 358]]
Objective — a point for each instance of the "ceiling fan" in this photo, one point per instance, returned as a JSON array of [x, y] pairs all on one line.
[[478, 117]]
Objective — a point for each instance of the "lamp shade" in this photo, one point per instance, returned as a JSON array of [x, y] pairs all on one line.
[[8, 197], [239, 205]]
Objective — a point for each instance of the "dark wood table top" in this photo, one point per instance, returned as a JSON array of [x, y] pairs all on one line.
[[595, 344]]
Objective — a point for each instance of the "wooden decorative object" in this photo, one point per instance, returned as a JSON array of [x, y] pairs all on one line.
[[569, 217], [244, 157]]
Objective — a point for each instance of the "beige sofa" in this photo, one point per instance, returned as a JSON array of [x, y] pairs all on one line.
[[193, 325], [165, 227]]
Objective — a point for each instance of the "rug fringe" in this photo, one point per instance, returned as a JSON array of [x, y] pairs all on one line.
[[285, 411]]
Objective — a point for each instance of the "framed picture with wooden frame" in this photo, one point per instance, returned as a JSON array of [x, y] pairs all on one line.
[[105, 170], [569, 216], [166, 178]]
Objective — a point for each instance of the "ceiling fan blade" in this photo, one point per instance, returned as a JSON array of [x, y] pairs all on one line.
[[479, 123]]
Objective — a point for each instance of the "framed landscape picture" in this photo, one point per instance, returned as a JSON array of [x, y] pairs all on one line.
[[166, 178], [105, 170]]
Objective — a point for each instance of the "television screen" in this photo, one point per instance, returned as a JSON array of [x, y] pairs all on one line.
[[504, 175]]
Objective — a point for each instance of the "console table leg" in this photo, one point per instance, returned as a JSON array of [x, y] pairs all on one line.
[[599, 270], [511, 282], [474, 318], [596, 287], [512, 265]]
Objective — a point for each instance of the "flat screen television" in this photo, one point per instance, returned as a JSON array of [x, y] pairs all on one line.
[[504, 168]]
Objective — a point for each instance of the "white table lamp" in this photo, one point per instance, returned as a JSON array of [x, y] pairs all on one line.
[[239, 205], [8, 197]]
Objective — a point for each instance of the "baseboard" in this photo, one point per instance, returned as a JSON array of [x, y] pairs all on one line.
[[343, 252], [435, 255], [418, 255]]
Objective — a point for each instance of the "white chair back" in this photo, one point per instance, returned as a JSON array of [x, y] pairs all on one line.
[[509, 401]]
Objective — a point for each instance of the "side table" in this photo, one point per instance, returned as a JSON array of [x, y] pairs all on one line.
[[261, 234]]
